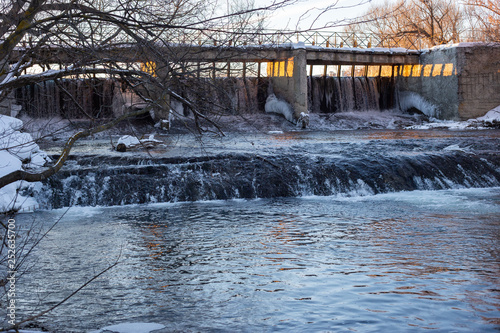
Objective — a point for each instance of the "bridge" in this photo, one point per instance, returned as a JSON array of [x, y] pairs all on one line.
[[439, 75]]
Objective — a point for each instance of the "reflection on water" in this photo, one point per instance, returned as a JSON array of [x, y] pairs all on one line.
[[420, 260]]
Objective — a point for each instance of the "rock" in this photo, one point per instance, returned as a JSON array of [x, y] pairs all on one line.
[[121, 148]]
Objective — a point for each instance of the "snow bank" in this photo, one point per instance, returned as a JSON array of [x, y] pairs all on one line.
[[490, 120], [17, 152], [131, 328], [492, 117]]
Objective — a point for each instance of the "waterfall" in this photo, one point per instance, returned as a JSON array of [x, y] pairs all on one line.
[[221, 96], [48, 99], [108, 181], [332, 94], [98, 97]]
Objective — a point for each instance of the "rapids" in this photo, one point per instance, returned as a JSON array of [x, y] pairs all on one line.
[[276, 164]]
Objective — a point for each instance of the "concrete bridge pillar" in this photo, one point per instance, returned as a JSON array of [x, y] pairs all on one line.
[[300, 82], [288, 77]]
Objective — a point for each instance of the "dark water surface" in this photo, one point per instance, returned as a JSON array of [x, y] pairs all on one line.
[[408, 261]]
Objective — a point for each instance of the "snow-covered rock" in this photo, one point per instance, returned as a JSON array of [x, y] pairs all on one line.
[[18, 151], [492, 116], [129, 141]]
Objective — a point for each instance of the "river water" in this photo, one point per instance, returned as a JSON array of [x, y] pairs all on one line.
[[367, 259]]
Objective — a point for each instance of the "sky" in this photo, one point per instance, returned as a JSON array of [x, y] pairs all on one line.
[[305, 13]]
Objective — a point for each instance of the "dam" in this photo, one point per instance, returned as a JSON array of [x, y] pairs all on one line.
[[459, 81]]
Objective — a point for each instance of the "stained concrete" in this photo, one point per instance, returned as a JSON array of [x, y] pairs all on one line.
[[469, 91]]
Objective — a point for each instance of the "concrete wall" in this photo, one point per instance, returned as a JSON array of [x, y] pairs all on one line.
[[461, 81], [479, 80]]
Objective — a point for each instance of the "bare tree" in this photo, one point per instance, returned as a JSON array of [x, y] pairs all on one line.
[[484, 18], [148, 47], [415, 23]]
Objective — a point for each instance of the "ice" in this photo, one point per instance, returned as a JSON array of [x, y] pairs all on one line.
[[457, 148], [409, 100], [275, 105], [130, 328]]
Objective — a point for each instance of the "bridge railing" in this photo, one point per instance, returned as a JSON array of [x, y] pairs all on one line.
[[309, 38], [279, 37]]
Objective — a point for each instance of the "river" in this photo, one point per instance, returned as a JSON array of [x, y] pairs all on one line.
[[365, 250]]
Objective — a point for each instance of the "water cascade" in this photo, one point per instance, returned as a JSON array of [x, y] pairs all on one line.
[[332, 94], [319, 169], [50, 98], [101, 98]]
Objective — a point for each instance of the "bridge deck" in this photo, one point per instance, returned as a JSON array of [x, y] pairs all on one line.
[[259, 53]]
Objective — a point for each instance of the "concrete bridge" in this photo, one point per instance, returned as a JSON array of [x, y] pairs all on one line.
[[462, 81]]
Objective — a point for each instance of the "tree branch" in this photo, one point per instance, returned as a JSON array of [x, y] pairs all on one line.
[[36, 177]]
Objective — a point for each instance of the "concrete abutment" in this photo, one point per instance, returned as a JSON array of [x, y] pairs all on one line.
[[462, 81]]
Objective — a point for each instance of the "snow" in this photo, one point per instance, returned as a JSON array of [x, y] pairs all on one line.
[[18, 151], [131, 328], [9, 125], [456, 45], [491, 116], [490, 120], [129, 141]]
